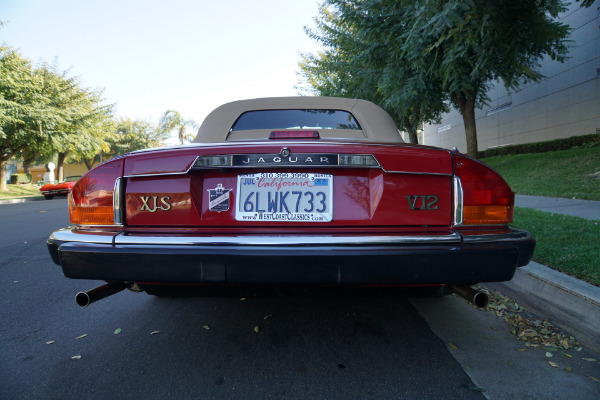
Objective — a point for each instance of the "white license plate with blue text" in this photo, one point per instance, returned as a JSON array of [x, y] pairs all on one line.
[[284, 197]]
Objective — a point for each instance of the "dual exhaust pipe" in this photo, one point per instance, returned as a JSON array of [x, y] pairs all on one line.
[[477, 297], [84, 299]]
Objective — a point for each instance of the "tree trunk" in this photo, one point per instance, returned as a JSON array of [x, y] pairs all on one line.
[[60, 166], [466, 103], [89, 163], [3, 186], [412, 132]]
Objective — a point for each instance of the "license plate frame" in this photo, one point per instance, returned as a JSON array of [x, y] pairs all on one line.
[[284, 197]]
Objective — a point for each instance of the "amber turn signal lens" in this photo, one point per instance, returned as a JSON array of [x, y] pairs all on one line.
[[89, 215], [478, 215], [91, 201]]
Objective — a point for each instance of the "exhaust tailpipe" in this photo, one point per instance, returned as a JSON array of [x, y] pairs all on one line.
[[84, 299], [477, 297]]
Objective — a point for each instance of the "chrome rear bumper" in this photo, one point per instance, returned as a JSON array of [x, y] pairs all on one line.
[[275, 259]]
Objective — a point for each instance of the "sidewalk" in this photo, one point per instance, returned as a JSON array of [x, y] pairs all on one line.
[[577, 208], [15, 200], [568, 302]]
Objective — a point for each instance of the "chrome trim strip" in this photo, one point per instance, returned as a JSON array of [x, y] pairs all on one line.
[[283, 165], [514, 234], [281, 240], [416, 173], [72, 235], [118, 214], [458, 202]]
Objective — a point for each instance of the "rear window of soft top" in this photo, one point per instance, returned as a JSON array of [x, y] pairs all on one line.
[[295, 119]]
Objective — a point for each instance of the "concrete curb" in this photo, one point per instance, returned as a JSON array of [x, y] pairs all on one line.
[[572, 304]]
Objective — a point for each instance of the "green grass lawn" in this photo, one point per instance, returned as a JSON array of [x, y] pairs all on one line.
[[20, 190], [564, 243], [571, 173]]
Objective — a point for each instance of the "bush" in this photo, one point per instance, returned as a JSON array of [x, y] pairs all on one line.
[[586, 141], [20, 179]]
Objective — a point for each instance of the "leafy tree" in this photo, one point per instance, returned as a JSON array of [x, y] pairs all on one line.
[[360, 60], [453, 50], [471, 44], [134, 135], [173, 120], [27, 115]]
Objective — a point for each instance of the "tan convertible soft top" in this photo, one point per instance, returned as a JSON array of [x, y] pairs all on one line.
[[376, 124]]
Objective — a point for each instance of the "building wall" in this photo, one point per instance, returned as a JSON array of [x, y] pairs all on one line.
[[565, 103], [38, 171]]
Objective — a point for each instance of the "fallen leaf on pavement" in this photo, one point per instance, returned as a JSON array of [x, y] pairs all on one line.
[[553, 364], [206, 327], [117, 331], [594, 379], [257, 329], [76, 357], [589, 359], [50, 342], [82, 336], [453, 346], [548, 354], [268, 316], [154, 332]]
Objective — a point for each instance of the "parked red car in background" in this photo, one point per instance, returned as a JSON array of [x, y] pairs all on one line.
[[59, 189]]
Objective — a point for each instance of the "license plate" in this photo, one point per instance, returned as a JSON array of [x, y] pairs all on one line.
[[282, 197]]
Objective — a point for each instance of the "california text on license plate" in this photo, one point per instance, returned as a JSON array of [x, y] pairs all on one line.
[[287, 196]]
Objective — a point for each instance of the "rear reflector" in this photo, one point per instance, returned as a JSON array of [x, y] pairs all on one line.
[[294, 135], [487, 198]]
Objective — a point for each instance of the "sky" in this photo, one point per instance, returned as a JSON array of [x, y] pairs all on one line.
[[152, 56]]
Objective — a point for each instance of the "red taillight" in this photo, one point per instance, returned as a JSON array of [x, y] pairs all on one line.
[[294, 135], [91, 200], [486, 197]]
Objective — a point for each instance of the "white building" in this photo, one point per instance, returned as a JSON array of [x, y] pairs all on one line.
[[565, 103]]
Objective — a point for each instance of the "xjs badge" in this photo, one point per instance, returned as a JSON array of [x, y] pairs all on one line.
[[218, 198], [150, 203]]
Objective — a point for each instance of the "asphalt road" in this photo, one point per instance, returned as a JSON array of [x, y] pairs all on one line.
[[322, 346]]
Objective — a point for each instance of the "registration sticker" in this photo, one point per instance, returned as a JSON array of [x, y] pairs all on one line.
[[287, 197]]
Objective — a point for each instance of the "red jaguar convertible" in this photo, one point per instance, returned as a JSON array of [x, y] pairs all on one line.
[[291, 191]]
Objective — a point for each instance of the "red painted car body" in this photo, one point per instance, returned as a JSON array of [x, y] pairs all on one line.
[[271, 204], [59, 189]]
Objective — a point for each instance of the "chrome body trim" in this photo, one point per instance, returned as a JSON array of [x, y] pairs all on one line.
[[292, 165], [458, 201], [285, 240], [513, 235], [118, 214], [72, 234]]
